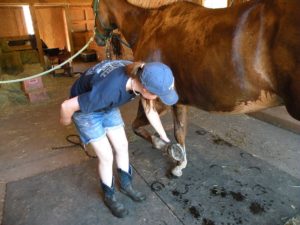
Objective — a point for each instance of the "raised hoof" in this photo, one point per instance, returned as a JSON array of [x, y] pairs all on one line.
[[176, 152]]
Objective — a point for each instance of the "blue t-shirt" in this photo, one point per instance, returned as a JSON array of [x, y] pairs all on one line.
[[103, 86]]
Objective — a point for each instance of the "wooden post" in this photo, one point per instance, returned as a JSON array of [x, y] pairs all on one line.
[[37, 34], [69, 29]]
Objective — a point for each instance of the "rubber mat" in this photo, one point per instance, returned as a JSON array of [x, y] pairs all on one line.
[[71, 196], [222, 185]]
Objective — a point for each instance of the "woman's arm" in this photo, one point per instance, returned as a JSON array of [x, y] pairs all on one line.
[[67, 109], [154, 119]]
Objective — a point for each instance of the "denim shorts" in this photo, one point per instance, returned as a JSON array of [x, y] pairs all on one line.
[[93, 126]]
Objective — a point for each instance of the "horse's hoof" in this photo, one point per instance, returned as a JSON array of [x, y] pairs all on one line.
[[177, 172], [157, 142], [176, 152]]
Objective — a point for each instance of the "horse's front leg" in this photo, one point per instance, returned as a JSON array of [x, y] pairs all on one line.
[[180, 128], [141, 121]]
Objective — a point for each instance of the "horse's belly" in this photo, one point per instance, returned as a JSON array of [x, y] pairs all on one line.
[[265, 100]]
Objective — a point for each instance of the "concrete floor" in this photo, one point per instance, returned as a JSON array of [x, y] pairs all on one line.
[[30, 132]]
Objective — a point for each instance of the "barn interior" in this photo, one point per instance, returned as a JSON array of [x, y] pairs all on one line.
[[242, 169]]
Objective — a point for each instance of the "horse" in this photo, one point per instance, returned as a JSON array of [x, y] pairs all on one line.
[[234, 60]]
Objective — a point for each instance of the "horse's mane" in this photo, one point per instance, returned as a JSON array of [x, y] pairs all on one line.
[[151, 4]]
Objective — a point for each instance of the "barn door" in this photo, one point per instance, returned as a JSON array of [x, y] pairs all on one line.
[[52, 26], [12, 22]]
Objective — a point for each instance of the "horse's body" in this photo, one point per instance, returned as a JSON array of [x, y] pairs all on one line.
[[233, 60]]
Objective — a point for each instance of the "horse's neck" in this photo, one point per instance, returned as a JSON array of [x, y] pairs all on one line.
[[129, 19]]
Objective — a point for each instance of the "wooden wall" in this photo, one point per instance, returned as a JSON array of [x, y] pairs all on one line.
[[81, 22], [52, 26], [82, 18], [12, 22], [81, 26]]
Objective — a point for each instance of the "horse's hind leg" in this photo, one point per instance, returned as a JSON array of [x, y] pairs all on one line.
[[180, 127]]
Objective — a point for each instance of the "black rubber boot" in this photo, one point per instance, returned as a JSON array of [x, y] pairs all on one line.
[[116, 208], [126, 186]]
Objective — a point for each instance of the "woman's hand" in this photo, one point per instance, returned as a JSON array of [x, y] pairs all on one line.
[[67, 109], [154, 119], [65, 114]]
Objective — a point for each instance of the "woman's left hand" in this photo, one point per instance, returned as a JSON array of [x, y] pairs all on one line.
[[65, 115], [67, 109]]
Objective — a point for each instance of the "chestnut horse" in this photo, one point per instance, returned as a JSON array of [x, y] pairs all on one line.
[[235, 60]]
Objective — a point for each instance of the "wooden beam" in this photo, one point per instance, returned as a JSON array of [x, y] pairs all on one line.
[[37, 34], [69, 29]]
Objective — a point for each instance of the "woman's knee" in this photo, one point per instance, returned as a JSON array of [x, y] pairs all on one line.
[[103, 150], [122, 145], [107, 158], [118, 139]]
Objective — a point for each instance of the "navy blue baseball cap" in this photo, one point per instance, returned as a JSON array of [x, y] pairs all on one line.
[[159, 80]]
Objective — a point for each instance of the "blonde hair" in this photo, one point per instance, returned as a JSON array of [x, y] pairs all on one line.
[[134, 71]]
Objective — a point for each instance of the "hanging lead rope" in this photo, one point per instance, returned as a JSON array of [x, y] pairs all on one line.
[[54, 68]]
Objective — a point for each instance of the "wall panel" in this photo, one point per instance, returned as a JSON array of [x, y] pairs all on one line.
[[12, 22], [82, 22], [51, 26]]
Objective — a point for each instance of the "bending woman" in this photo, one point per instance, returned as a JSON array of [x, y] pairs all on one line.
[[93, 106]]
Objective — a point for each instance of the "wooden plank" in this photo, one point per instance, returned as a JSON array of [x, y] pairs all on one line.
[[16, 38], [24, 42], [69, 30], [78, 39], [20, 21], [12, 22], [82, 18], [20, 48], [37, 34], [76, 13], [89, 14], [51, 26]]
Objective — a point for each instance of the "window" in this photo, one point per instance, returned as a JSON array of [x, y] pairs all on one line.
[[28, 19], [215, 3]]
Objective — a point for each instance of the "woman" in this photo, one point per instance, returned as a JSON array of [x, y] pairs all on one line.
[[93, 106]]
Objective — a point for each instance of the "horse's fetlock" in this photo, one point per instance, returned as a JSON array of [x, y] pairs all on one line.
[[157, 142]]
